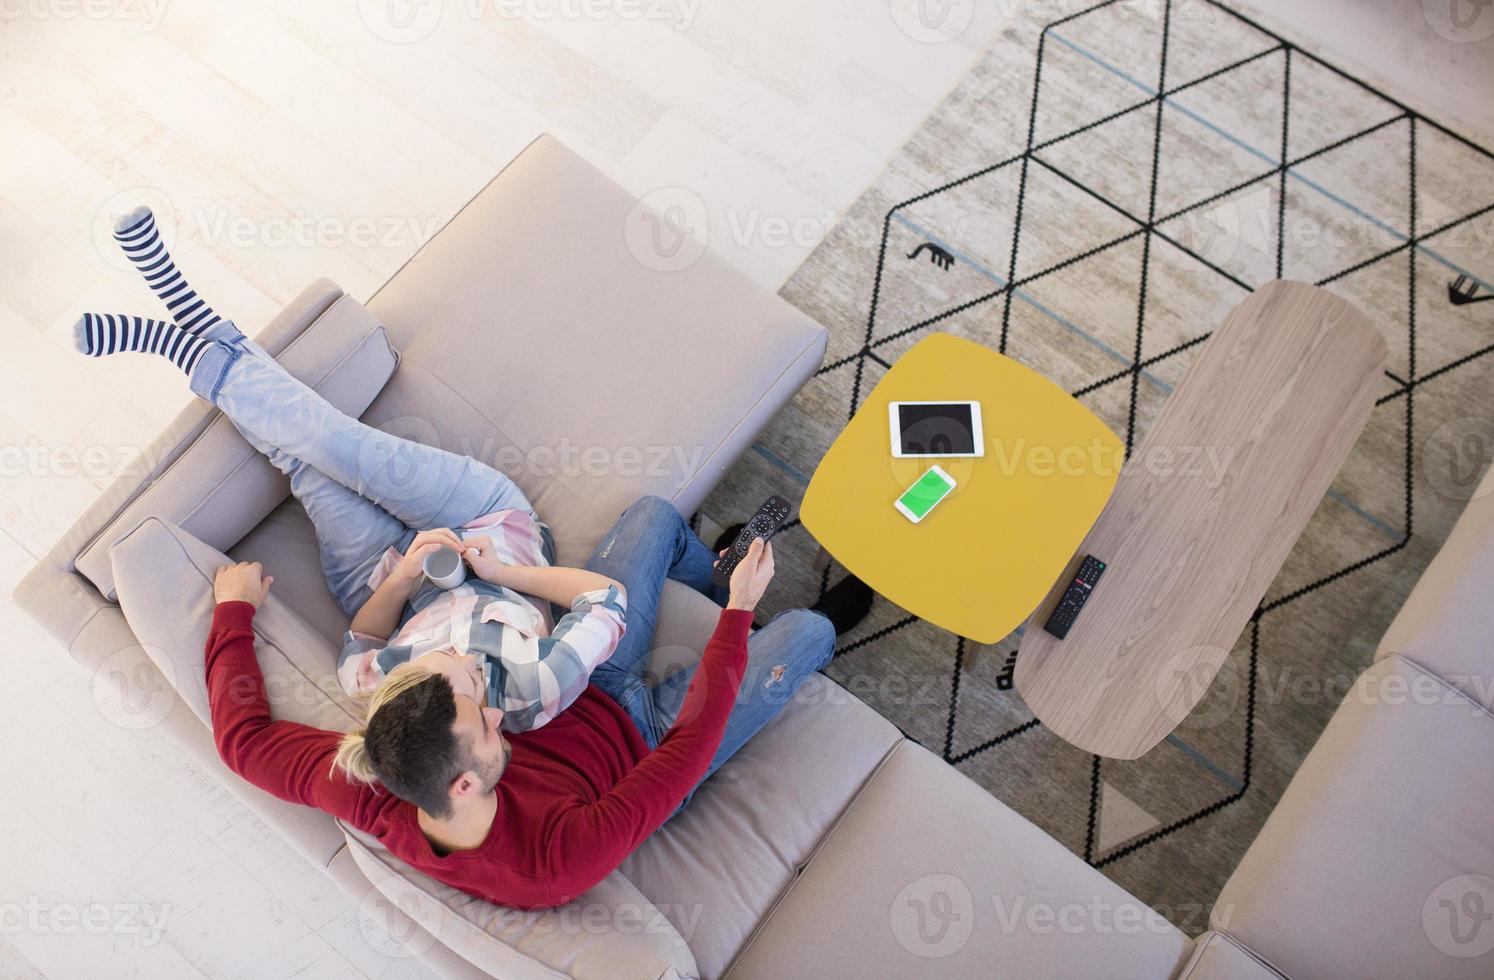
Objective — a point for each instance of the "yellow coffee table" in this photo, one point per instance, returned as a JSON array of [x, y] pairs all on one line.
[[988, 553]]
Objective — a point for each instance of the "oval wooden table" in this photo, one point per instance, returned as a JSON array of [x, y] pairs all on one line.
[[980, 562], [1279, 395]]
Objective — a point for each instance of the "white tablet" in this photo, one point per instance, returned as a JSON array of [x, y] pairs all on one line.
[[936, 429]]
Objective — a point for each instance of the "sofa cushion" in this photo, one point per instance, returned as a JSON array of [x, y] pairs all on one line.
[[285, 542], [220, 486], [718, 866], [165, 581], [1387, 818], [928, 875], [545, 346], [1446, 623], [611, 932], [1217, 956]]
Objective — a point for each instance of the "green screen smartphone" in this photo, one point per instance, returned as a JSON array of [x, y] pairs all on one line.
[[920, 498]]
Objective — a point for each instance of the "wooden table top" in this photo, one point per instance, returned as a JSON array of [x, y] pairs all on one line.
[[985, 556], [1205, 512]]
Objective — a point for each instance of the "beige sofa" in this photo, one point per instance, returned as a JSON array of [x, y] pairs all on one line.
[[1378, 861], [829, 846]]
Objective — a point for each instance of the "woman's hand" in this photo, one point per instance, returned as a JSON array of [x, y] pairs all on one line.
[[426, 543], [483, 558]]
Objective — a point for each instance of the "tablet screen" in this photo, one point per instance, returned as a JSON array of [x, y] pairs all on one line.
[[936, 429]]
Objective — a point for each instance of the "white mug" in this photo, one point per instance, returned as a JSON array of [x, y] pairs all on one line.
[[445, 568]]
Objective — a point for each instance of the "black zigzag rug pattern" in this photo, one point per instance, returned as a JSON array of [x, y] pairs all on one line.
[[1157, 219]]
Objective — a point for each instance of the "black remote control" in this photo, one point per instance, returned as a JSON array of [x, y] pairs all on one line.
[[1090, 570], [764, 524]]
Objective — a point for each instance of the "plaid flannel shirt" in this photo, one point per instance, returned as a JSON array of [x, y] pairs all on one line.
[[533, 670]]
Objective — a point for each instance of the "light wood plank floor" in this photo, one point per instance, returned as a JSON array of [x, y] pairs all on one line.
[[280, 141]]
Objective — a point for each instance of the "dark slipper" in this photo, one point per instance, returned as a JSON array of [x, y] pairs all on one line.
[[845, 604], [727, 537]]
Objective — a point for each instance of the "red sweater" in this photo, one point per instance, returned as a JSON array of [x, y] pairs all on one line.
[[578, 796]]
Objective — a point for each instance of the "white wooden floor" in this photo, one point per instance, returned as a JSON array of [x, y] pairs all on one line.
[[280, 141]]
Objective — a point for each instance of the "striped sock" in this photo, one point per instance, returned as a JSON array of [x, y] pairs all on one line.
[[97, 334], [136, 235]]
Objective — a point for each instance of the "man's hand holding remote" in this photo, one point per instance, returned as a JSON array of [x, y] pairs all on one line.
[[751, 576]]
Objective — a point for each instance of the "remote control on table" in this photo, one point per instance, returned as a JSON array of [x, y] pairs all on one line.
[[1075, 596], [764, 524]]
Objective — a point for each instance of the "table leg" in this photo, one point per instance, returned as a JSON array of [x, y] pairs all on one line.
[[821, 560]]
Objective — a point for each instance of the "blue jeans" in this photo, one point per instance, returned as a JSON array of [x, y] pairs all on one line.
[[649, 543], [364, 489]]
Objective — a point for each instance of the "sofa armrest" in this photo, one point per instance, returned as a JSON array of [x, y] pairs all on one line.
[[63, 599], [222, 487]]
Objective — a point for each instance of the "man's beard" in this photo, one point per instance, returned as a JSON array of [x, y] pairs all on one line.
[[491, 772]]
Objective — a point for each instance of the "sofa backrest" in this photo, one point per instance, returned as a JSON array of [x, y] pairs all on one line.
[[1375, 861], [539, 336]]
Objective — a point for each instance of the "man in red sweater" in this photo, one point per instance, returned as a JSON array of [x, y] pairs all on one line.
[[529, 820]]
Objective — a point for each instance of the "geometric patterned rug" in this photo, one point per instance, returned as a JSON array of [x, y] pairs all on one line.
[[1096, 231]]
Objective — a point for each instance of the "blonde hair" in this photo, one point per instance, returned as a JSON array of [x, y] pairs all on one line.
[[352, 752]]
